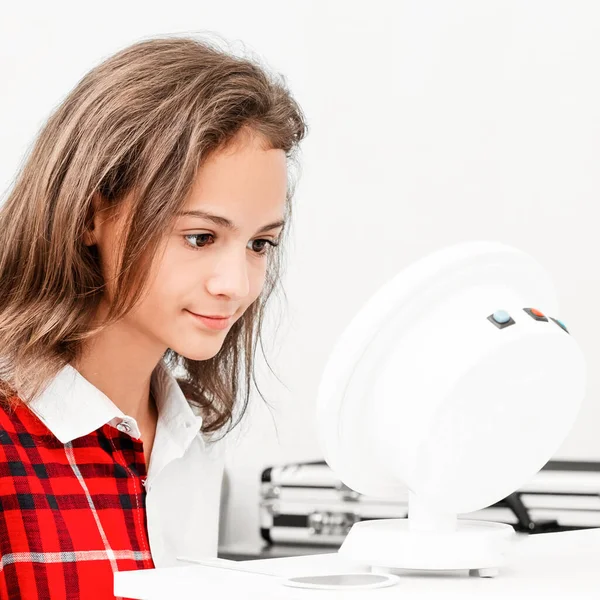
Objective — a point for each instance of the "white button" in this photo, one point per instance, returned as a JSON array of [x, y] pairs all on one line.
[[124, 427]]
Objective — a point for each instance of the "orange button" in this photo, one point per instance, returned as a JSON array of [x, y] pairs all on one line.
[[537, 313]]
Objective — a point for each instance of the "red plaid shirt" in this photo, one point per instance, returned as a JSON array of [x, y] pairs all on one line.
[[73, 491]]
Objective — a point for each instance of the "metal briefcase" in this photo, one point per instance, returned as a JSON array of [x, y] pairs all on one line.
[[305, 503]]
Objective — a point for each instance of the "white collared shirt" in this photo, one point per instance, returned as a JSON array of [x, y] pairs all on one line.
[[183, 485]]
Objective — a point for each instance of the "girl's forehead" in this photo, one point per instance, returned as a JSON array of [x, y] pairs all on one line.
[[252, 175]]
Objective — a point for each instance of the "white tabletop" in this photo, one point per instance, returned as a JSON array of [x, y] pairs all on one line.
[[549, 565]]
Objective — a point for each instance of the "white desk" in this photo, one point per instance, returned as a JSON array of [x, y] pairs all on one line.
[[549, 565]]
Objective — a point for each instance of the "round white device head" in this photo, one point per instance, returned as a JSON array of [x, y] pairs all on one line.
[[425, 390]]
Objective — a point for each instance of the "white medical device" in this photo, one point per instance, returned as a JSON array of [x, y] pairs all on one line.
[[458, 380]]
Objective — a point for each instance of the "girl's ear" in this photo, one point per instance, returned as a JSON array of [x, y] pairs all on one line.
[[92, 220]]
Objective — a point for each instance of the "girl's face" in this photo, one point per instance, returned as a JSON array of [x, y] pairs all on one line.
[[209, 267]]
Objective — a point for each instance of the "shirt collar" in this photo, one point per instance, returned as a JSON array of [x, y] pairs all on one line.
[[71, 407]]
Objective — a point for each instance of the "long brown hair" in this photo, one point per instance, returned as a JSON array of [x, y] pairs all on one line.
[[140, 123]]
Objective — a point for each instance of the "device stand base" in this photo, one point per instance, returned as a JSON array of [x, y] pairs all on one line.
[[392, 545], [483, 572]]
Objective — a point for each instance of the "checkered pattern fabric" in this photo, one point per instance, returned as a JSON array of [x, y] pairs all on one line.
[[70, 514]]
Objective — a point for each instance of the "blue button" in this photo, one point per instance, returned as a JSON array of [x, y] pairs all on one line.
[[501, 316], [560, 324]]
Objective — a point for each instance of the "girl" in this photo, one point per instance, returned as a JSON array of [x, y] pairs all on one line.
[[142, 236]]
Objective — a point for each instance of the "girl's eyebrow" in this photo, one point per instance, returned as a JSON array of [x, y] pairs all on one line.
[[224, 222]]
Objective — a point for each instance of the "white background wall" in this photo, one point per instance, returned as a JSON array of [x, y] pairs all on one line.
[[432, 122]]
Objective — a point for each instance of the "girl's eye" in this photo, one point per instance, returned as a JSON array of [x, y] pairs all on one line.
[[261, 251]]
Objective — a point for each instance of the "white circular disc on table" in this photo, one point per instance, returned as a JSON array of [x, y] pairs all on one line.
[[343, 581]]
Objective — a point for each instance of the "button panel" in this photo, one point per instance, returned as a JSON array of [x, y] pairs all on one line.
[[502, 319]]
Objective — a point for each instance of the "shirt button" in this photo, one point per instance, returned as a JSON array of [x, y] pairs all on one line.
[[124, 427]]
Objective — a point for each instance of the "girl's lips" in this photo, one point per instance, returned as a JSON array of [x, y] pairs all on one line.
[[210, 322]]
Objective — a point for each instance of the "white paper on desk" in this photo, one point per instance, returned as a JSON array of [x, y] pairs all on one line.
[[193, 582], [182, 582]]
